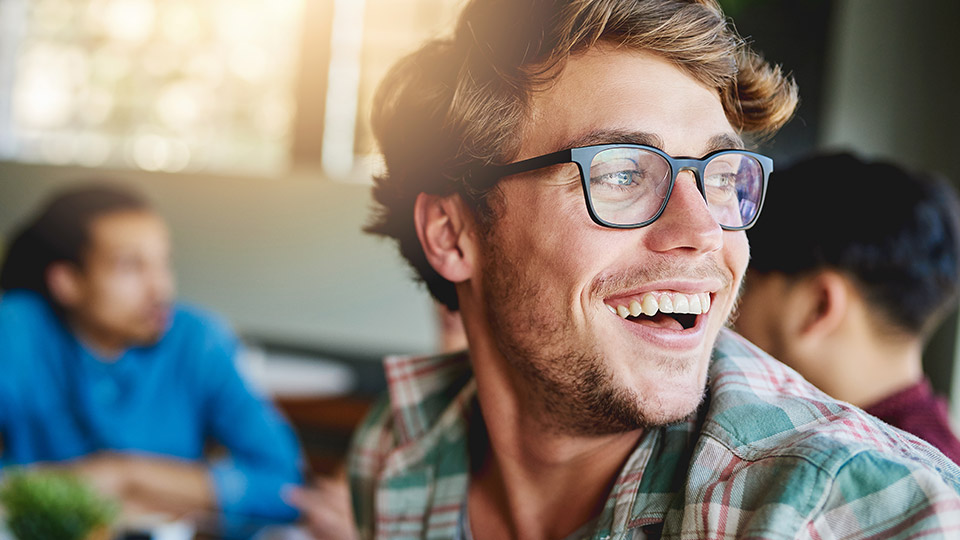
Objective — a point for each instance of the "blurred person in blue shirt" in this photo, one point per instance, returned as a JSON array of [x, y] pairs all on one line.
[[104, 373]]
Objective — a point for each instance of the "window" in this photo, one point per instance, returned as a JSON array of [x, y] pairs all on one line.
[[202, 85], [160, 85], [368, 37]]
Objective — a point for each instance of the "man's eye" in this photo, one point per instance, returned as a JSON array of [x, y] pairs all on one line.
[[721, 186], [721, 181], [622, 178]]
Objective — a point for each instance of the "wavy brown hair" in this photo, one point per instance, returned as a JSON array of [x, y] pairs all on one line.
[[459, 103]]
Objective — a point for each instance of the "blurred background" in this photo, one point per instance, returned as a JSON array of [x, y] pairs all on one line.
[[246, 123]]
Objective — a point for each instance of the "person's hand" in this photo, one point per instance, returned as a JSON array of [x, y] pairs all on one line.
[[106, 472], [325, 507], [145, 485], [111, 474]]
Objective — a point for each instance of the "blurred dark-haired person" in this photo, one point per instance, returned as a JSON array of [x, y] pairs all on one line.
[[572, 176], [104, 373], [854, 265]]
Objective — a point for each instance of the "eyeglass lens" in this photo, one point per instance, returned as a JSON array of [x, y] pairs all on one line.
[[628, 186]]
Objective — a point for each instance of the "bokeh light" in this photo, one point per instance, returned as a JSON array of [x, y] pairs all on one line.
[[128, 20], [200, 84], [160, 85]]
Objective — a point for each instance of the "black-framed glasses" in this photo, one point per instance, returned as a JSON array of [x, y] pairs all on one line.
[[628, 185]]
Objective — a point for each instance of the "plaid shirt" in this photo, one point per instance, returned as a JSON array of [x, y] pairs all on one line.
[[766, 456]]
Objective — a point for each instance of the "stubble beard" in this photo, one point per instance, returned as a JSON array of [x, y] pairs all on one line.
[[571, 389]]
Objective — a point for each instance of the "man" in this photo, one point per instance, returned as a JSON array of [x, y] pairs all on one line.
[[534, 179], [102, 372], [849, 295]]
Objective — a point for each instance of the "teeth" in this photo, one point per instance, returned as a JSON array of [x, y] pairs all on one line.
[[666, 304], [650, 304]]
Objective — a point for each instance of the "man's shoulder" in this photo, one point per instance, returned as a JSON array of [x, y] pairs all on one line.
[[197, 318], [27, 320], [420, 389], [198, 327], [759, 405], [420, 420], [197, 341], [422, 411], [784, 459], [761, 409], [21, 305]]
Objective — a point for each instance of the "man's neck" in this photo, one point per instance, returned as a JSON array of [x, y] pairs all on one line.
[[106, 348], [533, 483], [875, 369]]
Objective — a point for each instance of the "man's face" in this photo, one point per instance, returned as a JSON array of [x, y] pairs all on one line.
[[551, 278], [124, 286]]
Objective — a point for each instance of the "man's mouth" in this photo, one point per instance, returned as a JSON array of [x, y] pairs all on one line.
[[673, 310]]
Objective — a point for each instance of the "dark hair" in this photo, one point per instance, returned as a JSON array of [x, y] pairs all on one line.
[[460, 103], [894, 232], [60, 232]]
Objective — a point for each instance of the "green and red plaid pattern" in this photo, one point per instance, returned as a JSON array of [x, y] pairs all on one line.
[[766, 456]]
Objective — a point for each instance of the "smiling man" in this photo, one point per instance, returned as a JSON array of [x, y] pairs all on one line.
[[571, 176]]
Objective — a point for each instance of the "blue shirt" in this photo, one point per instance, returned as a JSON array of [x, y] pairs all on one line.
[[58, 401]]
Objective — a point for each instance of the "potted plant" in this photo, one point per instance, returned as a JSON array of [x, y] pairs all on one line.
[[47, 504]]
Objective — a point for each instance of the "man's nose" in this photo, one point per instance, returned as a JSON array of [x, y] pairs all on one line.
[[686, 222]]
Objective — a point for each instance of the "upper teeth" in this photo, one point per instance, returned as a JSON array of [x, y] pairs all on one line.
[[665, 302]]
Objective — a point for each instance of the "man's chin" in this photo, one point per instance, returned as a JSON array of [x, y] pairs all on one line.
[[676, 411], [147, 337], [670, 391], [155, 326]]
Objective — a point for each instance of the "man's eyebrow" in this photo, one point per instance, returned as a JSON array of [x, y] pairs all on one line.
[[725, 141], [614, 136]]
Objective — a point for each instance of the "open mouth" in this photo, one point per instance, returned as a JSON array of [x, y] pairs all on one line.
[[677, 311]]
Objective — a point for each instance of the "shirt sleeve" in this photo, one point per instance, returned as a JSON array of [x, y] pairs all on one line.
[[264, 455], [22, 320], [6, 352], [875, 497]]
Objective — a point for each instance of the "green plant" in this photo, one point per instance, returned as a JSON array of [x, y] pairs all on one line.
[[52, 505]]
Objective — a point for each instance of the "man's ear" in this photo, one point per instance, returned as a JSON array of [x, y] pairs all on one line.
[[63, 282], [444, 226], [830, 294]]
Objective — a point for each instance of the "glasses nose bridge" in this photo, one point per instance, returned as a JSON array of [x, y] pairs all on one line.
[[695, 167]]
